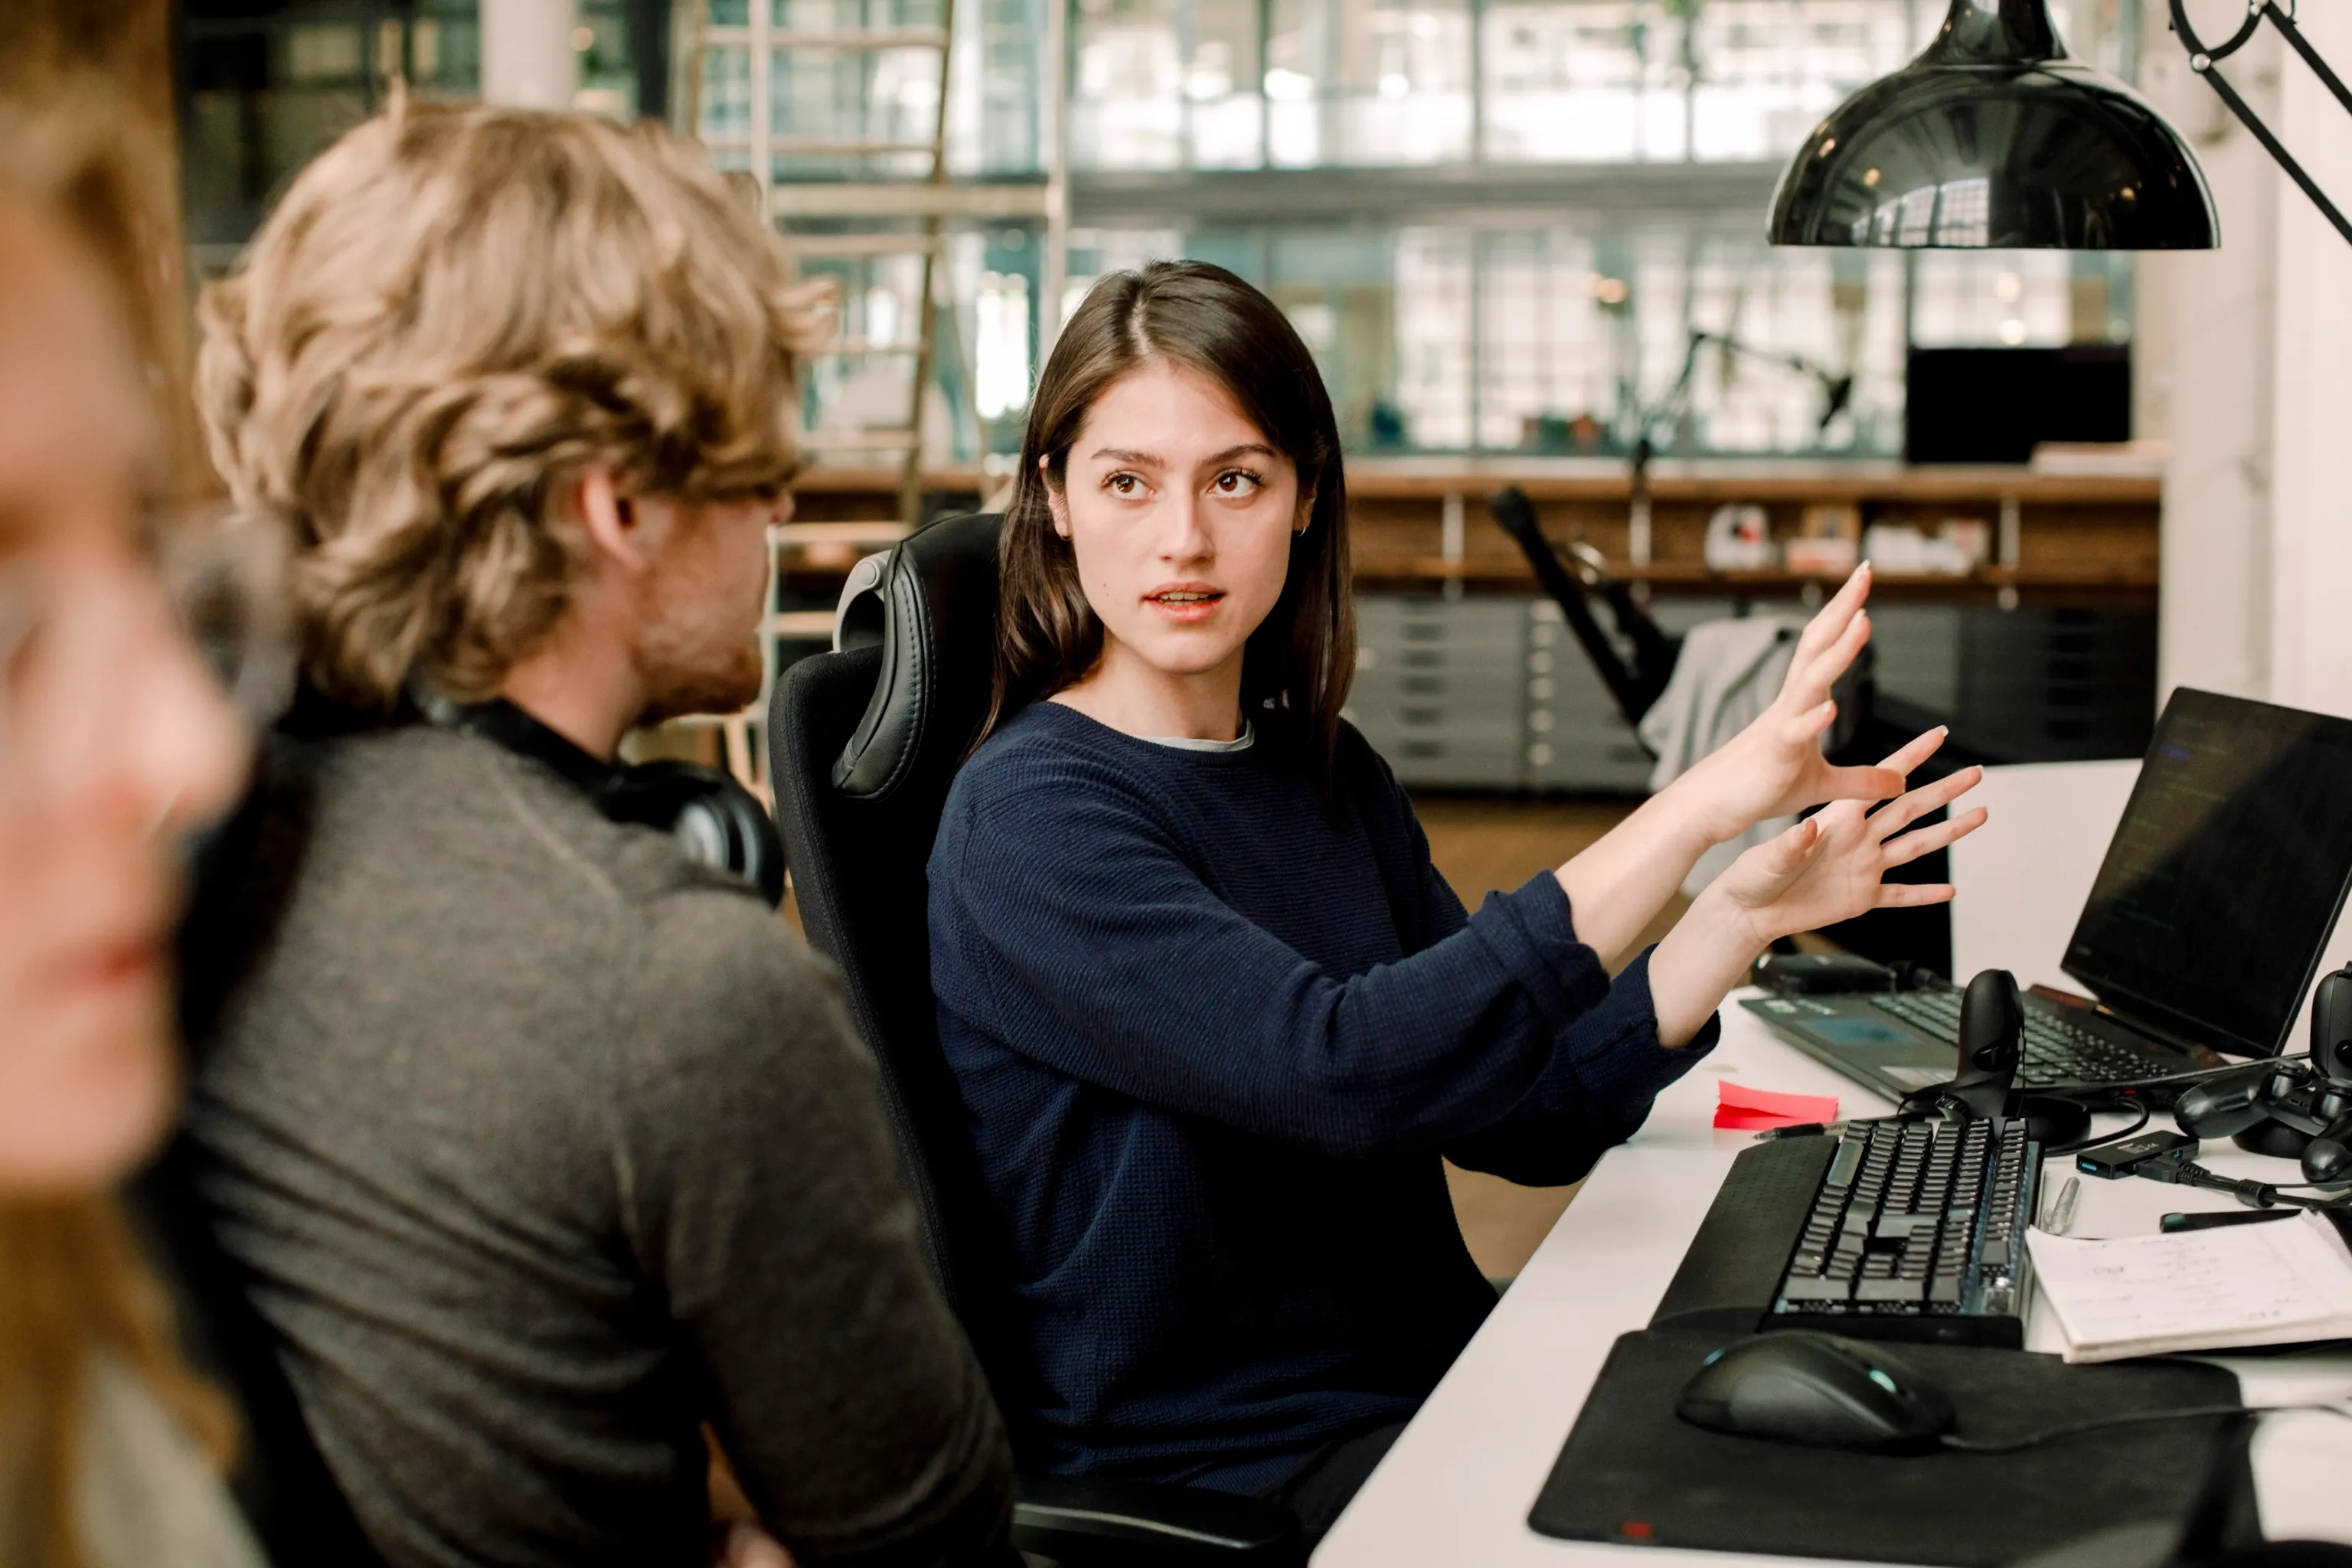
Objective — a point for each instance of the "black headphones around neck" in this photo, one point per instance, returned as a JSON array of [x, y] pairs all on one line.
[[718, 822]]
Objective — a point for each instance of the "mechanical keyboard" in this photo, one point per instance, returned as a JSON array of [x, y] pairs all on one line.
[[2057, 1048], [1896, 1230]]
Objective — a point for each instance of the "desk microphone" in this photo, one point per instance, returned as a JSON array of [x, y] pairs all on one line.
[[1993, 1033]]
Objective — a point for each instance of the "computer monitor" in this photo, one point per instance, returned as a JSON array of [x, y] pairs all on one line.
[[2225, 877], [1995, 406]]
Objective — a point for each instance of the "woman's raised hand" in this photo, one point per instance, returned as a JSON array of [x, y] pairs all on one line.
[[1832, 866], [1828, 867], [1774, 766]]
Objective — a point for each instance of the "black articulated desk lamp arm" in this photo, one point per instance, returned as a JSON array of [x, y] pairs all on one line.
[[1636, 684], [2206, 59]]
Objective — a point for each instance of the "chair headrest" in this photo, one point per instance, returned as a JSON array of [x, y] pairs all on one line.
[[931, 605]]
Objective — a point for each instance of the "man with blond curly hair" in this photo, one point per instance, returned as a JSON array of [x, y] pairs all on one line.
[[538, 1148]]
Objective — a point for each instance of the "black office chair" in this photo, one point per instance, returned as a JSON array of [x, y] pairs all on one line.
[[863, 744]]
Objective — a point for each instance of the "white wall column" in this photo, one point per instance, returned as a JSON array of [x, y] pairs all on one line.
[[2310, 502], [2246, 370], [528, 60], [2203, 354]]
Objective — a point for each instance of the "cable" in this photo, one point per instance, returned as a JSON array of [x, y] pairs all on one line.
[[2093, 1138], [2193, 1076], [2018, 1445], [2252, 1193], [2187, 1413]]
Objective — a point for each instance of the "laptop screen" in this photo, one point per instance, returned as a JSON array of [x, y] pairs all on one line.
[[2225, 876]]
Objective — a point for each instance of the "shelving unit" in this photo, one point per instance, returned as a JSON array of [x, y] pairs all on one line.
[[1422, 523], [1467, 680]]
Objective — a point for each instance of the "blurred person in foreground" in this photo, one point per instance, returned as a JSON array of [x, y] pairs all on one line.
[[539, 1146], [114, 743]]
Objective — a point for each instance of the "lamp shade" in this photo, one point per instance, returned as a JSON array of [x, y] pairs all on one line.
[[1993, 138]]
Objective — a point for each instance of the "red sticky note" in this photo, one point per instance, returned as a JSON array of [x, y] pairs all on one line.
[[1744, 1108]]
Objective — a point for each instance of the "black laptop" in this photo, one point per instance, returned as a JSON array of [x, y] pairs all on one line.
[[2202, 936]]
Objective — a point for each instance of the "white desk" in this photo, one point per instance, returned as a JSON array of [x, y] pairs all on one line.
[[1457, 1485]]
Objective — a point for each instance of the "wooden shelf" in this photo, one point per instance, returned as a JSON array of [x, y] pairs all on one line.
[[2093, 536], [882, 480], [879, 535], [1692, 575]]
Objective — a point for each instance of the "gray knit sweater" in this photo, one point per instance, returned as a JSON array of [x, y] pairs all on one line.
[[545, 1148]]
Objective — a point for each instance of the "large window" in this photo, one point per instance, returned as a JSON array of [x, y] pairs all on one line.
[[266, 86], [1567, 339], [1644, 81], [1364, 81], [1516, 317], [2015, 299], [1167, 84], [1222, 84], [822, 100], [267, 90]]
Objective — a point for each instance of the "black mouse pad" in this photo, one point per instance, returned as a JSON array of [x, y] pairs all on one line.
[[1633, 1472]]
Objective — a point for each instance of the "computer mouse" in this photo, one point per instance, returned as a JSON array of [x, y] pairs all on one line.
[[1818, 1390]]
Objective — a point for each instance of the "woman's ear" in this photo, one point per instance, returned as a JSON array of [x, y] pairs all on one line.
[[1306, 512], [1056, 502]]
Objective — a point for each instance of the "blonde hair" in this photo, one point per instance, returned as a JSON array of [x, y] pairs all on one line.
[[72, 1285], [454, 313]]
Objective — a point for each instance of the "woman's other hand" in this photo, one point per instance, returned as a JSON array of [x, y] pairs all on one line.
[[1828, 867], [1775, 765], [1832, 866]]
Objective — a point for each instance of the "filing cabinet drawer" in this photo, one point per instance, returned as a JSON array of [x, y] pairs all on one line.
[[1430, 761]]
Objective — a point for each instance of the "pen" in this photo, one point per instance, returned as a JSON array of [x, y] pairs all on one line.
[[2059, 1216], [1802, 1130]]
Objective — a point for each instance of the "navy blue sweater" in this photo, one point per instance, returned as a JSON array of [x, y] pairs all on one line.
[[1213, 1039]]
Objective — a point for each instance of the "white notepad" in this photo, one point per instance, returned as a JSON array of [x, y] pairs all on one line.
[[2280, 1282]]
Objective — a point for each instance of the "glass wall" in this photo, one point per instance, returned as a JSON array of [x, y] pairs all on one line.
[[1577, 333], [1483, 327], [265, 86], [821, 98], [986, 347], [1572, 339], [2021, 298], [267, 92], [1233, 84], [1565, 339]]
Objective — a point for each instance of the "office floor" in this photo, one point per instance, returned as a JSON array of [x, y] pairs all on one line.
[[1480, 846]]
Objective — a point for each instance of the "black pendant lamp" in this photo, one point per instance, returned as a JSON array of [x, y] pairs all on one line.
[[1993, 138]]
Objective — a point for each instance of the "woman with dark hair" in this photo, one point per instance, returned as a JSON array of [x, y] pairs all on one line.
[[1213, 1012]]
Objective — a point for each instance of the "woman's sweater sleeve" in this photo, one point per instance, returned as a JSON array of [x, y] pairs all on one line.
[[1066, 926], [1605, 1069], [1594, 1095]]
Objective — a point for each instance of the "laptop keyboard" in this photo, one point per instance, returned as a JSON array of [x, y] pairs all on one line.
[[2057, 1049]]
